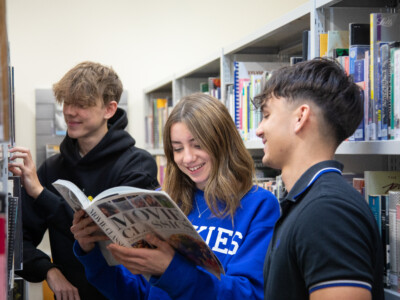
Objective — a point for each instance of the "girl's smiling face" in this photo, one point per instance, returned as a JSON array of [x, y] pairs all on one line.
[[188, 155]]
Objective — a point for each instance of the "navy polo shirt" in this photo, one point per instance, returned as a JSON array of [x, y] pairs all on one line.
[[326, 236]]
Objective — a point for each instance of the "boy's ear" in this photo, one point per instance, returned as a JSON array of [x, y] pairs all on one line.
[[302, 113], [111, 108]]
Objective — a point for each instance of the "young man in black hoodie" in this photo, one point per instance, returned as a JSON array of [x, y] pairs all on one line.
[[96, 154]]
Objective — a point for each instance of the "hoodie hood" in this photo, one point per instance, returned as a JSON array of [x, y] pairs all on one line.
[[115, 141]]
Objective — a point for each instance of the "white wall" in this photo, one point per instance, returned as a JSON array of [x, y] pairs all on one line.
[[144, 41]]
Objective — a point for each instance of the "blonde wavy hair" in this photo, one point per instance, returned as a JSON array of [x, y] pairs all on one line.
[[232, 170], [88, 82]]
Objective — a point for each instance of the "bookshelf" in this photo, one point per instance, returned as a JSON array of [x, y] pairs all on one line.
[[7, 224], [10, 186], [278, 40], [4, 97]]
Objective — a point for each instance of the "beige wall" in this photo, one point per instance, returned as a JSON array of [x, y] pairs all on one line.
[[144, 41]]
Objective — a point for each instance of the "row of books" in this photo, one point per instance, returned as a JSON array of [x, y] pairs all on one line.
[[370, 52], [249, 79], [273, 184], [212, 87], [382, 192], [155, 121]]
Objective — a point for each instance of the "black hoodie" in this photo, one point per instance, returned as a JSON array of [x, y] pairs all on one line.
[[112, 162]]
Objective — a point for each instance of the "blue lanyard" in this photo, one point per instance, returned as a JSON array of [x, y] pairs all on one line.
[[316, 176]]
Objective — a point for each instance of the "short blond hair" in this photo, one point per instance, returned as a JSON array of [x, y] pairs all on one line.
[[88, 82]]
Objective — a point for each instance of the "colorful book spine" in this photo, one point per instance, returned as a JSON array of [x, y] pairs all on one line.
[[394, 238], [358, 75], [245, 109], [392, 48], [374, 202], [161, 162], [374, 19], [397, 274], [236, 94], [366, 98], [384, 90], [246, 76], [323, 44], [355, 53], [384, 28], [159, 117], [395, 53], [385, 238]]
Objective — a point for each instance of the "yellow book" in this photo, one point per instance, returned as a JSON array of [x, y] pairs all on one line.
[[161, 111], [323, 44]]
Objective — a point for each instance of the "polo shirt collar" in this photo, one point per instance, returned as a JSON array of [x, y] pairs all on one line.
[[310, 176]]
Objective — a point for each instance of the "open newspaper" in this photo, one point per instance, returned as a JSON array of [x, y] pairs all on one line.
[[127, 214]]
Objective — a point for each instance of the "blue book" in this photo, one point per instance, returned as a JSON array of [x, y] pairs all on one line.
[[359, 134], [356, 52], [358, 76], [358, 70], [236, 93], [374, 202]]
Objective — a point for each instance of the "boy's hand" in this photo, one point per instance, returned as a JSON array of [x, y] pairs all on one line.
[[26, 169]]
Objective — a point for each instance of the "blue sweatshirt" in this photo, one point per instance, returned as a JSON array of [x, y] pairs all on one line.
[[240, 248]]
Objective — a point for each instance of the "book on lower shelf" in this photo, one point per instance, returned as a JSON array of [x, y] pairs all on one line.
[[379, 205], [394, 239], [394, 90], [381, 182], [127, 214], [381, 189]]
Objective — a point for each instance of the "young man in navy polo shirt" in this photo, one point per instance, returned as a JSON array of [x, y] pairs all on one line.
[[326, 244]]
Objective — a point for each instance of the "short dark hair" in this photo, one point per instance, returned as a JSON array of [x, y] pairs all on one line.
[[323, 82], [88, 82]]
